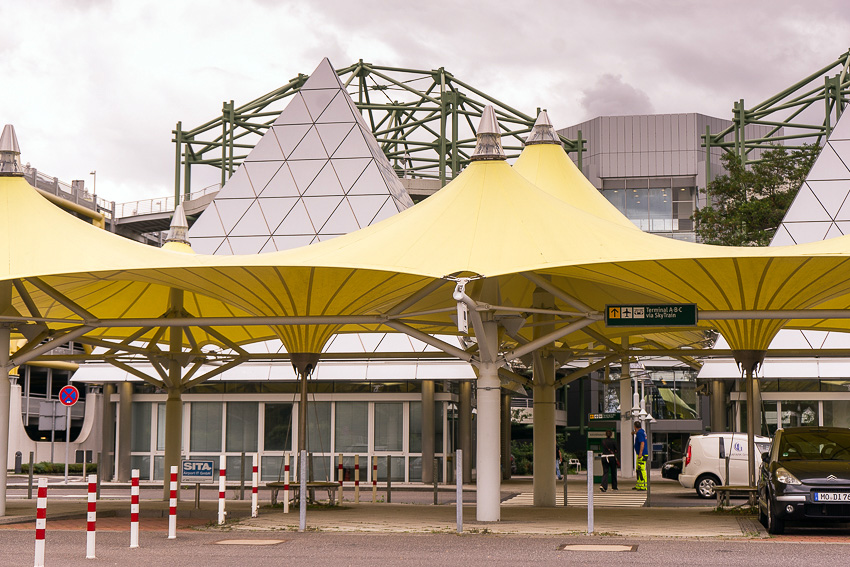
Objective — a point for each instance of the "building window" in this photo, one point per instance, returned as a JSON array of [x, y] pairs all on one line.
[[318, 427], [351, 429], [140, 437], [206, 427], [242, 426], [654, 204], [388, 426], [278, 427]]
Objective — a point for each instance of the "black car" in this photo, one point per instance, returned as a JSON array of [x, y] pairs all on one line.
[[805, 476], [672, 469]]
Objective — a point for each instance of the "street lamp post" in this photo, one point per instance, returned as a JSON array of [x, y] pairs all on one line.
[[94, 181]]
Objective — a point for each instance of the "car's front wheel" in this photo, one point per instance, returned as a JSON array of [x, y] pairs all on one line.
[[705, 484], [775, 525]]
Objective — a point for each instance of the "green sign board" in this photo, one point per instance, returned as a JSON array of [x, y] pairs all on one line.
[[661, 315], [611, 415]]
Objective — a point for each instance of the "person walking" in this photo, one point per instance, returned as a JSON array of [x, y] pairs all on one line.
[[609, 461], [558, 463], [642, 452]]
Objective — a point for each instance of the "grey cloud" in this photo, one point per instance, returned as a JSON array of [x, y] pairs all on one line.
[[610, 95]]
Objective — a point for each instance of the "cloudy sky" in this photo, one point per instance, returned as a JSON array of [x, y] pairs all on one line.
[[99, 84]]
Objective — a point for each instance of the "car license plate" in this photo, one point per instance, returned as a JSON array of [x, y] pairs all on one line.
[[832, 496]]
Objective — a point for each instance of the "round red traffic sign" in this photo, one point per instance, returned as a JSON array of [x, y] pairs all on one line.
[[68, 395]]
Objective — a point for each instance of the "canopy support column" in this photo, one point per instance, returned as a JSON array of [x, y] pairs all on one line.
[[544, 407], [465, 428], [174, 402], [627, 463], [718, 406], [428, 409], [107, 443], [303, 363], [5, 402], [489, 399], [749, 360], [125, 424]]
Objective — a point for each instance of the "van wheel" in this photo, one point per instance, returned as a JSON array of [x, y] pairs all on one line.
[[705, 485]]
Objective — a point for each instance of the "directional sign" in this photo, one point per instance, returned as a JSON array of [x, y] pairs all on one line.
[[662, 315], [607, 416], [198, 471], [69, 395]]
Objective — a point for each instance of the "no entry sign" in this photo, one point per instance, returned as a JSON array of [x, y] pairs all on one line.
[[69, 395]]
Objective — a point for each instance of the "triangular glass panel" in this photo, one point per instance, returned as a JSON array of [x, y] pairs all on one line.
[[321, 208], [389, 209], [842, 129], [305, 171], [296, 222], [332, 135], [828, 166], [290, 136], [342, 221], [806, 207], [372, 340], [252, 223], [276, 209], [376, 150], [365, 207], [318, 100], [324, 77], [260, 173], [354, 146], [842, 150], [843, 226], [831, 194], [348, 170], [338, 110], [326, 183], [837, 340], [289, 242], [832, 232], [237, 187], [815, 338], [206, 245], [247, 244], [269, 246], [803, 232], [310, 147], [295, 112], [267, 149], [208, 224], [223, 249], [231, 211], [371, 182], [281, 185]]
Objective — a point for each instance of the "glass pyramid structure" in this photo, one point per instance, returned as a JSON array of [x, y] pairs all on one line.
[[317, 173]]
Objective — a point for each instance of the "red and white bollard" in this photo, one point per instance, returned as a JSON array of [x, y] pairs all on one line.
[[374, 479], [91, 517], [255, 473], [40, 522], [222, 473], [286, 483], [339, 474], [356, 479], [134, 509], [172, 505]]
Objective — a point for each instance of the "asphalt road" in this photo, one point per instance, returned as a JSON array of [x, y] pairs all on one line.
[[66, 548]]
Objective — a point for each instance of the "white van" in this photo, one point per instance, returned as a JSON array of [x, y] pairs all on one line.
[[704, 465]]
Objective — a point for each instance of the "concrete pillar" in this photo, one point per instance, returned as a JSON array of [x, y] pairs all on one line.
[[107, 445], [125, 424], [5, 403], [488, 486], [465, 428], [718, 406], [506, 436], [627, 462], [173, 436], [751, 428], [757, 417], [428, 431], [543, 392]]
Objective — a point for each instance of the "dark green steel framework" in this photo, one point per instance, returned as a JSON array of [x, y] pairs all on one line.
[[424, 121]]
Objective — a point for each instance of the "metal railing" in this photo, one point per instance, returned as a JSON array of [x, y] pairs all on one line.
[[159, 204]]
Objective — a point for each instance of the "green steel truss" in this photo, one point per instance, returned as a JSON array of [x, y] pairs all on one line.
[[805, 112], [424, 121]]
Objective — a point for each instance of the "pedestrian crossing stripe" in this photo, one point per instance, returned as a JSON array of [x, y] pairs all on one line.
[[600, 500]]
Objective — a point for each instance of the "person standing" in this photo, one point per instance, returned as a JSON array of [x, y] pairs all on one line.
[[609, 461], [642, 452]]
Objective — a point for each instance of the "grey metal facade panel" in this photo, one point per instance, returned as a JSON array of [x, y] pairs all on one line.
[[644, 164], [628, 141], [644, 134], [650, 133], [668, 130], [674, 131]]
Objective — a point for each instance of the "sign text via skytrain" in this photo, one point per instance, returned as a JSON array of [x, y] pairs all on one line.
[[659, 315]]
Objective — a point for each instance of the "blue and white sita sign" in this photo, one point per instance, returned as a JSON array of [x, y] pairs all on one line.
[[198, 471]]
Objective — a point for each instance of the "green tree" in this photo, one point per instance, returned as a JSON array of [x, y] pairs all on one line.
[[749, 202]]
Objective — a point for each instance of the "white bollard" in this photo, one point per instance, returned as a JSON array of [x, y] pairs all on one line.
[[357, 479], [222, 473], [302, 479], [459, 487], [134, 509], [286, 483], [91, 516], [374, 479], [590, 492], [339, 474], [40, 522], [172, 505], [255, 473]]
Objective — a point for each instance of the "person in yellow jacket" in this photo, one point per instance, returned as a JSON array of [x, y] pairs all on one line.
[[642, 453]]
